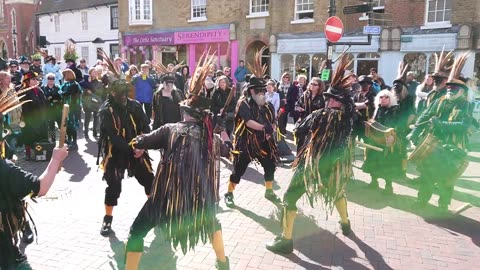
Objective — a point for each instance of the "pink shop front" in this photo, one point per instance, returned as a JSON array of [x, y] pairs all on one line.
[[186, 46]]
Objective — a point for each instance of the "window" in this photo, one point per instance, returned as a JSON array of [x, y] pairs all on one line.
[[438, 11], [366, 61], [58, 53], [114, 17], [140, 12], [84, 53], [199, 10], [56, 20], [304, 10], [378, 3], [114, 50], [259, 7], [14, 19], [84, 20]]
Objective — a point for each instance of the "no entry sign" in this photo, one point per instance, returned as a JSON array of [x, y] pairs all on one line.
[[333, 29]]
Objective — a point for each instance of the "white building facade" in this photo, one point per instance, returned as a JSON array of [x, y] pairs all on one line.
[[89, 28]]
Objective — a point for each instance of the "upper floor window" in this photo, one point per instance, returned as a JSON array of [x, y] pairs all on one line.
[[58, 53], [85, 53], [438, 11], [140, 12], [199, 10], [259, 7], [114, 17], [56, 21], [304, 10], [378, 3], [84, 20]]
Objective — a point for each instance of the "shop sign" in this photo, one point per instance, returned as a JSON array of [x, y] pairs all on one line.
[[207, 36], [149, 39]]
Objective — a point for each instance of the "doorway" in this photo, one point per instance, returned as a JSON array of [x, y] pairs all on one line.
[[252, 50]]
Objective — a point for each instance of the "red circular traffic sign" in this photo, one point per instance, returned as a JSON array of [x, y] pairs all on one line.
[[333, 29]]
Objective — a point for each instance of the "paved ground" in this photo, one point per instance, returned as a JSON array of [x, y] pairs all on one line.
[[389, 233]]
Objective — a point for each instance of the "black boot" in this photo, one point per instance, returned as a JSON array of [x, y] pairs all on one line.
[[223, 265], [346, 228], [388, 187], [374, 183], [27, 234], [106, 225], [229, 199], [280, 245], [271, 196]]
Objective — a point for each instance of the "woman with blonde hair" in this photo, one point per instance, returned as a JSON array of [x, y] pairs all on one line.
[[386, 164], [132, 71], [71, 93], [422, 93]]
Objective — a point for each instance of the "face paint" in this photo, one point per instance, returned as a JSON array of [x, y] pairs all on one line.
[[453, 92]]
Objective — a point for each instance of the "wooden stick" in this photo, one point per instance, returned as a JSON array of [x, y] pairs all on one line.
[[462, 208], [63, 129], [378, 149]]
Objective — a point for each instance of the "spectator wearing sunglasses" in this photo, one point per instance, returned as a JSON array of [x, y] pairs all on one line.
[[54, 113]]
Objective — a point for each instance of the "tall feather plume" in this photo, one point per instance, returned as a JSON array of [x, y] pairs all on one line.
[[442, 61], [10, 100], [257, 68], [458, 66], [160, 68], [201, 72], [111, 65], [403, 68], [339, 79], [43, 53]]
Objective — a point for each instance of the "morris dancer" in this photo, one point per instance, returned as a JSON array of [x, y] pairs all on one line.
[[324, 163]]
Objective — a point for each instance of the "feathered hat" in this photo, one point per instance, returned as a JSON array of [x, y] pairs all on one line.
[[197, 105], [256, 80], [402, 71], [115, 71], [10, 100], [29, 75], [455, 78], [341, 83], [442, 66], [70, 54], [24, 60], [165, 74]]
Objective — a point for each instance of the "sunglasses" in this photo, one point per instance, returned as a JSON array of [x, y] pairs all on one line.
[[382, 97], [13, 66]]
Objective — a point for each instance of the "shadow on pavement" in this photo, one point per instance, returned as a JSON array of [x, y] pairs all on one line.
[[91, 147], [160, 254], [75, 165], [118, 248], [317, 244], [375, 199]]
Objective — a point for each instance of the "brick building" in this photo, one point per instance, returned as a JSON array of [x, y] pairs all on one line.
[[17, 28], [293, 31]]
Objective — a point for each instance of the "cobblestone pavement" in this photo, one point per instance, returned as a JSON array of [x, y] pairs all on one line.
[[389, 233]]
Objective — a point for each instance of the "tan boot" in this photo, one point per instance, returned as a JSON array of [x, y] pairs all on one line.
[[284, 244], [132, 260]]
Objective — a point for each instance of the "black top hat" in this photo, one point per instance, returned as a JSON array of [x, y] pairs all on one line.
[[50, 58], [258, 84], [365, 78], [340, 94], [119, 86], [167, 77]]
